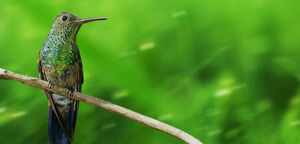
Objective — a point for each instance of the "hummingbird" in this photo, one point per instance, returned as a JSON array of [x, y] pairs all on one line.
[[60, 64]]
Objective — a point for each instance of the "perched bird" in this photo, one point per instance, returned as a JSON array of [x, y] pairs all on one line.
[[60, 64]]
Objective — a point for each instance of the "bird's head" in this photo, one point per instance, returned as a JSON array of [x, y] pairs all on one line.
[[69, 23]]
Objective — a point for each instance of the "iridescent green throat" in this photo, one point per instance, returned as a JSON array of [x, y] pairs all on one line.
[[60, 50]]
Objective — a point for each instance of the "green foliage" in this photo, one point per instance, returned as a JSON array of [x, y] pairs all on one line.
[[223, 71]]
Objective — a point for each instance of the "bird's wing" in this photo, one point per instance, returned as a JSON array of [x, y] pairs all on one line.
[[79, 86], [52, 104], [80, 76]]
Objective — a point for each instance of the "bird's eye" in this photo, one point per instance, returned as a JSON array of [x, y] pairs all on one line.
[[64, 18]]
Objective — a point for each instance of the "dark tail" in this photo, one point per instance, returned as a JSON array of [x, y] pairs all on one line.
[[56, 133]]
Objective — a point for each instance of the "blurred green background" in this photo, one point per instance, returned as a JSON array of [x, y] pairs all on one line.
[[223, 71]]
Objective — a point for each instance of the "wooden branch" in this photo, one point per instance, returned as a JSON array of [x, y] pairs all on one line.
[[37, 83]]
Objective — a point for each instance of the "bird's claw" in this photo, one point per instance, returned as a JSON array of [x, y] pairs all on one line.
[[71, 92], [50, 84]]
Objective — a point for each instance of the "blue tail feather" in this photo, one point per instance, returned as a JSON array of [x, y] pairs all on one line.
[[56, 133]]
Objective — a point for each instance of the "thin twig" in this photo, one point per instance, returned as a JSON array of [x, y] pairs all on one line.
[[37, 83]]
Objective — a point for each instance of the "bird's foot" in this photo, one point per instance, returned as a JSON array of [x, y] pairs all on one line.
[[71, 92], [50, 84]]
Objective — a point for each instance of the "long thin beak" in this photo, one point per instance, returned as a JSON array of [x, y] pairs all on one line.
[[83, 21]]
